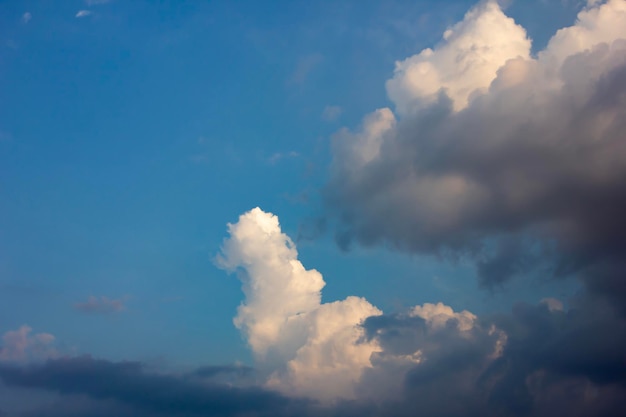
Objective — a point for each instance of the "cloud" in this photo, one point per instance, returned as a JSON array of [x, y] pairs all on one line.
[[306, 347], [83, 13], [26, 17], [19, 346], [96, 2], [331, 113], [127, 388], [304, 67], [517, 161], [278, 156], [535, 361], [102, 305], [464, 64]]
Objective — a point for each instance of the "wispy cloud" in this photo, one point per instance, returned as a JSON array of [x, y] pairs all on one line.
[[96, 2], [304, 67], [83, 13], [331, 113], [26, 17], [101, 305], [278, 156]]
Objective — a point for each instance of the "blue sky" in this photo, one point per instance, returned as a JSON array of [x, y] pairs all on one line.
[[131, 133]]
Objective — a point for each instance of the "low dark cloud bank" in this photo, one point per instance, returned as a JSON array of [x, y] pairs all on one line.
[[535, 361], [90, 385]]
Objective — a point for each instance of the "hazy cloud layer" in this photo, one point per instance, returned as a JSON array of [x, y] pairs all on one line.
[[128, 389], [517, 160], [100, 305]]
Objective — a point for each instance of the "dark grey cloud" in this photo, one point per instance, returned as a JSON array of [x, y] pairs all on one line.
[[531, 173], [128, 388], [551, 362]]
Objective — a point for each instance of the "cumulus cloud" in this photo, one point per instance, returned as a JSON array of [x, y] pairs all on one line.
[[464, 64], [100, 305], [494, 153], [308, 347], [336, 350], [20, 346]]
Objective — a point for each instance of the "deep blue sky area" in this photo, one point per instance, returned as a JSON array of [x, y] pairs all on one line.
[[132, 134]]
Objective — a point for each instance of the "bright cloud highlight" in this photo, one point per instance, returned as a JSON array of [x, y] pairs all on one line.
[[319, 350]]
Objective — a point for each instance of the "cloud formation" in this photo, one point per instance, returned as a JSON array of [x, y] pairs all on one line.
[[515, 160], [101, 305], [20, 346], [94, 387], [535, 361], [307, 347], [83, 13]]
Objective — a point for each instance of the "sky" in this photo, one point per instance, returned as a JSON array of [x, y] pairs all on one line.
[[373, 208]]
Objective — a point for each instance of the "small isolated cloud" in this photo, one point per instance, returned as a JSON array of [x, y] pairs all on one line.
[[26, 17], [83, 13], [331, 113], [102, 305], [96, 2], [20, 346], [278, 156]]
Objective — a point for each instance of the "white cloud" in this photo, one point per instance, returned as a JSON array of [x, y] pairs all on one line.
[[26, 17], [438, 315], [83, 13], [309, 348], [465, 63], [19, 346], [96, 2], [306, 347], [599, 23]]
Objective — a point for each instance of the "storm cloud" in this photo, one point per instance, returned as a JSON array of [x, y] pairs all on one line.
[[513, 159]]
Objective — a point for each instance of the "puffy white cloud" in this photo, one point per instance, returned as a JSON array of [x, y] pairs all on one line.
[[464, 64], [309, 348], [600, 22], [438, 315], [323, 350], [19, 346]]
